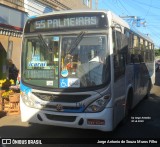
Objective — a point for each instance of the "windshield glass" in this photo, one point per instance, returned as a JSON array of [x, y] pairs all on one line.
[[57, 64]]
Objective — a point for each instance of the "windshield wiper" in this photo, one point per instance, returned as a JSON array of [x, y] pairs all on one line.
[[76, 42], [44, 43]]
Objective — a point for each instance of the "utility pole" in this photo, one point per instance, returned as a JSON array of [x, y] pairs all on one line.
[[134, 20]]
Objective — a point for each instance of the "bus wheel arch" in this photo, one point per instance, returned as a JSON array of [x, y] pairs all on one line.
[[128, 105]]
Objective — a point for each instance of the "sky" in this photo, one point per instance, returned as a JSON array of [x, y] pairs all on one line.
[[147, 10]]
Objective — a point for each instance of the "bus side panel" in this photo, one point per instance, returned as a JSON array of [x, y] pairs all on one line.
[[145, 80], [141, 81], [121, 89], [137, 89], [151, 69], [129, 81]]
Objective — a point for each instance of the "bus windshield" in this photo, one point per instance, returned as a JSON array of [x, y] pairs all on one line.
[[58, 62]]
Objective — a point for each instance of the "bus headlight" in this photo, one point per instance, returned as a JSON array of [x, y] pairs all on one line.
[[27, 100], [98, 105], [30, 102]]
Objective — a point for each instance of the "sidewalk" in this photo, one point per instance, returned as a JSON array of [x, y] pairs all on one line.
[[2, 114], [155, 90]]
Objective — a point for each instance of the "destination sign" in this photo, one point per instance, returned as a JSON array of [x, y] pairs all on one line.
[[66, 22]]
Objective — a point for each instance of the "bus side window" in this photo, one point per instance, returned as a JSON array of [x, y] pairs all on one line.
[[126, 45]]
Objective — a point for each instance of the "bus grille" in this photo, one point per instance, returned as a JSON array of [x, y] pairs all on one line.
[[61, 118], [61, 98], [67, 109]]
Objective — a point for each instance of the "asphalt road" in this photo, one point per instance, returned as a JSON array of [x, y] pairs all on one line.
[[142, 123]]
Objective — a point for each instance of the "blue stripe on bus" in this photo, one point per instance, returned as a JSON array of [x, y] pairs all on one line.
[[74, 111], [25, 88]]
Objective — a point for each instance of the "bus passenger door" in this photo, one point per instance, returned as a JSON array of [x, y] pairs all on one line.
[[140, 76], [119, 65]]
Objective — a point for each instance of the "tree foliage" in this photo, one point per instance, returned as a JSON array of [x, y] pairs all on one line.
[[157, 52]]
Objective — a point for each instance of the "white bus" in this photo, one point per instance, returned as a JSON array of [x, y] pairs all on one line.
[[83, 69]]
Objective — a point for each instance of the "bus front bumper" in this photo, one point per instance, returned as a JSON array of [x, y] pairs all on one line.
[[102, 121]]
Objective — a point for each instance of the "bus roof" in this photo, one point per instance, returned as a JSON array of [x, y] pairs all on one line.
[[142, 35], [69, 12]]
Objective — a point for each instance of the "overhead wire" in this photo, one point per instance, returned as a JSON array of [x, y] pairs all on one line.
[[148, 9], [124, 7], [145, 30], [144, 4], [118, 6]]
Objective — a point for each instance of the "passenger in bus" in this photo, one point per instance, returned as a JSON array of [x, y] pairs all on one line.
[[68, 62], [100, 57]]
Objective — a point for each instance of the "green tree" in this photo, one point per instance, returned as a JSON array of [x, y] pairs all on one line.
[[157, 52]]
